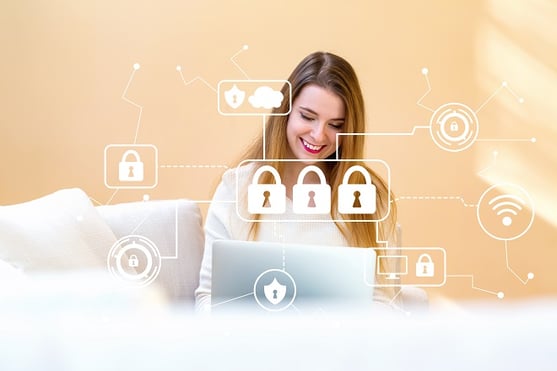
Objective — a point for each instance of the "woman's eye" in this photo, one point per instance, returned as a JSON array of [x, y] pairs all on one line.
[[305, 117], [336, 125]]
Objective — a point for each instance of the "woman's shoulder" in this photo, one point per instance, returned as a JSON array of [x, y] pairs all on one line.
[[242, 173], [235, 178]]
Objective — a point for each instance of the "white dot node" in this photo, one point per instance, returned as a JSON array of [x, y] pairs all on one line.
[[146, 197], [504, 84], [500, 294], [507, 221], [178, 68], [530, 276], [136, 66], [245, 47], [521, 100], [534, 140], [425, 71]]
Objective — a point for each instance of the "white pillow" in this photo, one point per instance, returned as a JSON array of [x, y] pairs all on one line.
[[60, 231], [176, 228]]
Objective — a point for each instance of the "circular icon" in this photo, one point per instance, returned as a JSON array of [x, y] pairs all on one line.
[[454, 127], [274, 290], [135, 260], [505, 211]]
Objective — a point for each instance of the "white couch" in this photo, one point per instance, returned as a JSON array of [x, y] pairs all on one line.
[[63, 232], [78, 318]]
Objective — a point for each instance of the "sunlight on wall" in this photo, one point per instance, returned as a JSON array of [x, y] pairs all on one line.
[[517, 43]]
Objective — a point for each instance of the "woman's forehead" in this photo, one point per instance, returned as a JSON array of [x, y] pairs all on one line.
[[322, 101]]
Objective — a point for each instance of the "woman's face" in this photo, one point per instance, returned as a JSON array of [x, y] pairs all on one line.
[[317, 116]]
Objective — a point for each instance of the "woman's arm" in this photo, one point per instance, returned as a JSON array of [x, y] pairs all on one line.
[[220, 224]]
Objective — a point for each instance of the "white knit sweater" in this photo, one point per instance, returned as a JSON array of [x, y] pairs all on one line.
[[224, 223]]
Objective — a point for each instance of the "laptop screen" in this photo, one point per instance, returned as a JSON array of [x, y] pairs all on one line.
[[290, 278]]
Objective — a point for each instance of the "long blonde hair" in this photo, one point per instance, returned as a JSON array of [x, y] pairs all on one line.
[[334, 73]]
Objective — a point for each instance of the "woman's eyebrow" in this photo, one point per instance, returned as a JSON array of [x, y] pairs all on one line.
[[309, 110], [316, 114]]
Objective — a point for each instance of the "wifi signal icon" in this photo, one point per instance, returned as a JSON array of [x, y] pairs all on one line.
[[505, 211], [507, 206]]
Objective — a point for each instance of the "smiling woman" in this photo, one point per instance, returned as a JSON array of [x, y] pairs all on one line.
[[318, 115], [326, 100]]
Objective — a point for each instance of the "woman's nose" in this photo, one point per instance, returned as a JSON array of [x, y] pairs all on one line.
[[318, 133]]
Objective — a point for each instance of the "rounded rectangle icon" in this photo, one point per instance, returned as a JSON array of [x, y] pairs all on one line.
[[130, 166], [307, 199], [408, 266], [253, 97]]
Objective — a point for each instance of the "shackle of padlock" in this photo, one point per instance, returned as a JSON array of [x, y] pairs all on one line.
[[426, 256], [316, 170], [263, 169], [359, 169], [130, 152]]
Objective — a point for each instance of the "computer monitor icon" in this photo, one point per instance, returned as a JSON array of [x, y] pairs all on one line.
[[392, 266]]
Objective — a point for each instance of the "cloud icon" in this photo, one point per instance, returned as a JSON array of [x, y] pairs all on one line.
[[266, 97]]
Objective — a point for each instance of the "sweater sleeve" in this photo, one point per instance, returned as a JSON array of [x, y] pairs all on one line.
[[217, 227]]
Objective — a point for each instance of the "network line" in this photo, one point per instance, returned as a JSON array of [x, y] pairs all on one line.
[[381, 134], [530, 275], [504, 85], [136, 67], [245, 47], [460, 198], [425, 72], [499, 294]]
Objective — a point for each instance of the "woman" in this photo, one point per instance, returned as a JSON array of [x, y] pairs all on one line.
[[326, 100]]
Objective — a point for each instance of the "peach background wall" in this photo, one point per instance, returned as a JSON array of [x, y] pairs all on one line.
[[65, 66]]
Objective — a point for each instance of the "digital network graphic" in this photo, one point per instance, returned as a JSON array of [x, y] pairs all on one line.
[[270, 199], [505, 211]]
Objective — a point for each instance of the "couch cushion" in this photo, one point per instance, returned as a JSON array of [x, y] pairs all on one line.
[[58, 231], [176, 229]]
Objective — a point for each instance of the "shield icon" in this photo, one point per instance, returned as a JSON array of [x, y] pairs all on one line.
[[234, 97], [274, 292]]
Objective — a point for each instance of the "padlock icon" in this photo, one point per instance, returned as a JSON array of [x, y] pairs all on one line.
[[454, 126], [357, 198], [133, 262], [311, 198], [130, 171], [425, 266], [266, 198]]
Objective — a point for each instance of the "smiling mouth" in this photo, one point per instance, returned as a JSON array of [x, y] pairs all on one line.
[[311, 148]]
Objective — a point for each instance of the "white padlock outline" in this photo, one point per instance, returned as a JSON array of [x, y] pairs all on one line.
[[430, 261], [135, 154], [278, 181], [323, 181], [367, 176]]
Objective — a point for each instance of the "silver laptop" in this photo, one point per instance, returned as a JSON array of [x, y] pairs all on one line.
[[290, 278]]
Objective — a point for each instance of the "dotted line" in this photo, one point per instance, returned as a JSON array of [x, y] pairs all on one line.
[[436, 198], [194, 166]]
